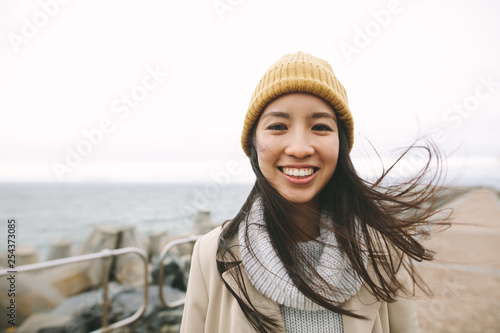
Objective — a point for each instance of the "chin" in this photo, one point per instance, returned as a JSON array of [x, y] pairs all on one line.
[[297, 198]]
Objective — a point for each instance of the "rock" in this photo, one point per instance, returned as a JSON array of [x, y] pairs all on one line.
[[129, 300], [68, 280], [180, 249], [44, 323], [125, 302], [32, 295], [173, 273], [158, 318], [60, 248], [26, 255], [59, 329], [202, 223], [86, 310], [157, 240], [127, 269], [82, 313], [44, 290], [83, 301], [89, 320], [186, 267], [101, 237]]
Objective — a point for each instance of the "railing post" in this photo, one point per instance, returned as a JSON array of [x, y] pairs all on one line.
[[163, 255], [105, 282]]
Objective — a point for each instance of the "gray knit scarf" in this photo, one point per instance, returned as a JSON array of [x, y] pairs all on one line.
[[269, 276]]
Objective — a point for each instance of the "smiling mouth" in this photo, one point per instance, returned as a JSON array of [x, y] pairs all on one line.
[[298, 172]]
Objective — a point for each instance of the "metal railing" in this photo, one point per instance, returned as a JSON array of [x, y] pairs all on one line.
[[163, 255], [105, 255]]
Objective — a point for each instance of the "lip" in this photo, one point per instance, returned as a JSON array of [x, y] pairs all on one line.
[[299, 181], [298, 166]]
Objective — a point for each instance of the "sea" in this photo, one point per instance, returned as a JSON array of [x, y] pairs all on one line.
[[46, 212]]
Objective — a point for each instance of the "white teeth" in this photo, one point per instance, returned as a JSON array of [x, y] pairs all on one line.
[[303, 172]]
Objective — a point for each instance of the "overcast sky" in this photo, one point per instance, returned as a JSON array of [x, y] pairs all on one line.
[[157, 90]]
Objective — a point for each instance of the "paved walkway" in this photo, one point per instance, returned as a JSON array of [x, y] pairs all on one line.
[[465, 277]]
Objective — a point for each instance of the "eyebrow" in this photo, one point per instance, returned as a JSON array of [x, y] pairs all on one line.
[[286, 115], [279, 114], [317, 115]]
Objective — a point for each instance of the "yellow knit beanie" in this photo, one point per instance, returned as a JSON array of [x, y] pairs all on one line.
[[299, 72]]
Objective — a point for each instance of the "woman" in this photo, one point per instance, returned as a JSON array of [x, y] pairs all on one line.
[[314, 248]]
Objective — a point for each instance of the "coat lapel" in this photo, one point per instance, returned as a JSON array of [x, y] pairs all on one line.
[[259, 301], [262, 303], [364, 304]]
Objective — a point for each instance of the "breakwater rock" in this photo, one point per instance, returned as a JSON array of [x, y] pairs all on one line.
[[83, 313], [69, 297]]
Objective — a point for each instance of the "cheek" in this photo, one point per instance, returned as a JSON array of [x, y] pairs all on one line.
[[262, 141], [334, 155], [266, 161], [267, 148], [331, 153]]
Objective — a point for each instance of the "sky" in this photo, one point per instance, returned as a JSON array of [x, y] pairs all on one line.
[[156, 91]]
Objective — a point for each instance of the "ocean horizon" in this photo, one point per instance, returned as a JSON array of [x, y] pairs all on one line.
[[47, 212]]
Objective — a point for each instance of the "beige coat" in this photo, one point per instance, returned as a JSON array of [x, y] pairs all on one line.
[[211, 308]]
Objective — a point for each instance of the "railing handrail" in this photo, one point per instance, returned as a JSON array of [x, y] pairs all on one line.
[[163, 254], [104, 254]]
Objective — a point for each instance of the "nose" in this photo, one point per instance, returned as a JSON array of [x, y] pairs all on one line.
[[299, 146]]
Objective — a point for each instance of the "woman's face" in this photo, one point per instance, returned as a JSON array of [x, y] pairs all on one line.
[[298, 146]]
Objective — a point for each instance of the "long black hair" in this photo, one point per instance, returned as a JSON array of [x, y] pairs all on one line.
[[378, 227]]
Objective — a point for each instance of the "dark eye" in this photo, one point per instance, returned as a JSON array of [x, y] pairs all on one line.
[[321, 127], [277, 127]]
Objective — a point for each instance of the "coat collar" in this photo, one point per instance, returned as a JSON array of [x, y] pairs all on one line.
[[262, 303], [363, 303]]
